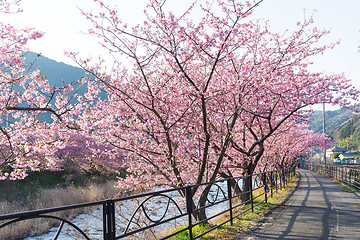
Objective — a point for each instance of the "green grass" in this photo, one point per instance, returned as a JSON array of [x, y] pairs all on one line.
[[347, 187], [197, 230], [243, 222]]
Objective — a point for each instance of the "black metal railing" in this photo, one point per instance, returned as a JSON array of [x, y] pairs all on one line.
[[150, 214], [347, 175]]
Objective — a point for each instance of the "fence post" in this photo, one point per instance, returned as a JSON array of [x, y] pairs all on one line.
[[230, 202], [109, 220], [340, 174], [350, 177], [251, 193], [271, 183], [331, 172], [189, 208], [335, 172], [265, 188]]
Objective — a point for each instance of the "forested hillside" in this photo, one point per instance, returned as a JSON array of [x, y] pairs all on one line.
[[348, 134], [333, 120]]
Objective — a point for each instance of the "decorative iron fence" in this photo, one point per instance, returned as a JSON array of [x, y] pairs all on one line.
[[150, 214], [347, 175]]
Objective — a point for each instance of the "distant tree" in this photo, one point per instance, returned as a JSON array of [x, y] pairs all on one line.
[[335, 155], [282, 149], [352, 142], [81, 153], [349, 127]]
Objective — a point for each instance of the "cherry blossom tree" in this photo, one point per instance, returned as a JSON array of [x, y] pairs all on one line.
[[80, 153], [283, 148], [290, 142], [202, 96], [163, 109], [25, 141]]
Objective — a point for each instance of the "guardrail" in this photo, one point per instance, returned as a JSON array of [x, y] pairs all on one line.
[[346, 175], [153, 212]]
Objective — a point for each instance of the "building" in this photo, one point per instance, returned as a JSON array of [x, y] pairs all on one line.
[[350, 158], [331, 151]]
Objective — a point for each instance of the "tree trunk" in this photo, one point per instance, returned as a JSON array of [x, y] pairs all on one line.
[[282, 176], [265, 180], [200, 215], [233, 183], [248, 172], [247, 184], [246, 191], [272, 180]]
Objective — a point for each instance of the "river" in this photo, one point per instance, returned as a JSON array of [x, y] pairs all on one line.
[[92, 223]]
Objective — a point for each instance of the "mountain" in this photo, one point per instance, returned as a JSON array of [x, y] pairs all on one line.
[[333, 119], [54, 71]]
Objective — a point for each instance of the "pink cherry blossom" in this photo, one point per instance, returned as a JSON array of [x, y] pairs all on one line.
[[203, 99]]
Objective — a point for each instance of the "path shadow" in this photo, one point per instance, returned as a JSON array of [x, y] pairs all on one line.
[[297, 211]]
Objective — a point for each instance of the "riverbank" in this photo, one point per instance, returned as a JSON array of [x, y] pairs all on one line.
[[48, 191]]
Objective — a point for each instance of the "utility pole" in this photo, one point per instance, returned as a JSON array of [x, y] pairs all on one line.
[[312, 157], [324, 135]]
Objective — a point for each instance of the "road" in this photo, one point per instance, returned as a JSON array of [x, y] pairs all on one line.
[[318, 209]]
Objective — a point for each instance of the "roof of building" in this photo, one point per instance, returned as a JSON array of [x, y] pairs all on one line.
[[349, 155], [337, 149]]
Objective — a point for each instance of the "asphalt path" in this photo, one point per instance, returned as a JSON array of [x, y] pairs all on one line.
[[318, 209]]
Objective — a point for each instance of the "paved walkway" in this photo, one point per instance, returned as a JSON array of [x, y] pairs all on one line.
[[318, 209]]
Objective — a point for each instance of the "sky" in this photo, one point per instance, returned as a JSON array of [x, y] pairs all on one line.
[[65, 28]]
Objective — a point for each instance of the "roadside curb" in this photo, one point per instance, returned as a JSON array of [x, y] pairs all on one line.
[[264, 220]]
